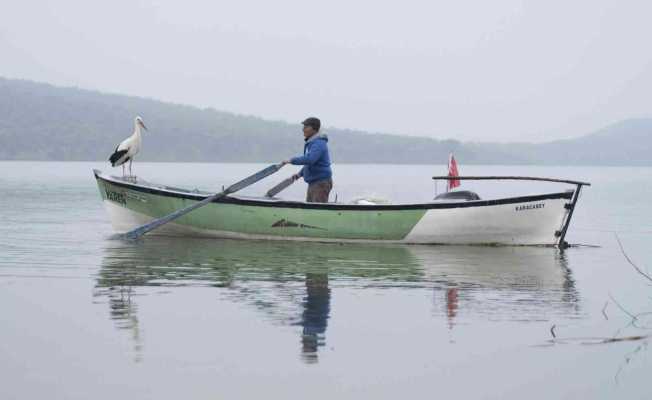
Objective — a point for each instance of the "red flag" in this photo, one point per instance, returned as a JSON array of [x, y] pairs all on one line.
[[452, 171]]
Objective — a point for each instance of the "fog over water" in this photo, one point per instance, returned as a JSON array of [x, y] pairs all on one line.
[[84, 315]]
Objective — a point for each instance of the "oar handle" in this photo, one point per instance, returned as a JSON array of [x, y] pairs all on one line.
[[252, 179], [280, 187]]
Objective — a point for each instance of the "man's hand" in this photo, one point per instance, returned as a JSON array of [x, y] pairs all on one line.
[[285, 162], [295, 177]]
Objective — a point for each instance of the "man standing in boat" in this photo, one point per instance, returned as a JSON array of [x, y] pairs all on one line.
[[316, 162]]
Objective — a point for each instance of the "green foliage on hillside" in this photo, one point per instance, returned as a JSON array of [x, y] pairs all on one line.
[[44, 122]]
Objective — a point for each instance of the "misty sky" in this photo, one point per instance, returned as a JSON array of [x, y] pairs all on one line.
[[483, 70]]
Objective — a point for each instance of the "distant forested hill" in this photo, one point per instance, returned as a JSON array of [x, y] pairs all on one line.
[[43, 122]]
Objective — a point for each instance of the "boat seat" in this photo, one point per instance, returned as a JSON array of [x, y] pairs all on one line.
[[458, 195]]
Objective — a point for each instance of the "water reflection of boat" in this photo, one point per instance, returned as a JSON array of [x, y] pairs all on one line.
[[499, 283], [292, 283]]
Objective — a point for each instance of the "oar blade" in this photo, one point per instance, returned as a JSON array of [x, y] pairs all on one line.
[[150, 226]]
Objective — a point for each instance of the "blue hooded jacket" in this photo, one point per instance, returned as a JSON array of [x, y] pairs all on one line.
[[315, 160]]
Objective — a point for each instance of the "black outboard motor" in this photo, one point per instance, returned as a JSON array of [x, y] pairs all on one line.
[[465, 195]]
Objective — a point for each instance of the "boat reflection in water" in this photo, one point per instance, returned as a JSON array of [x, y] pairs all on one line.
[[292, 283], [502, 283]]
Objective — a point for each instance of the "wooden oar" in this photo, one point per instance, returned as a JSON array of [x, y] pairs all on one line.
[[141, 230], [280, 187]]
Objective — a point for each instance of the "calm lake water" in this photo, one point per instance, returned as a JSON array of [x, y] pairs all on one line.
[[86, 316]]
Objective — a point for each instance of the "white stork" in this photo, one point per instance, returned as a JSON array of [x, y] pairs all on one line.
[[128, 148]]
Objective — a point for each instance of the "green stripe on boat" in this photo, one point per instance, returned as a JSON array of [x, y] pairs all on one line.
[[274, 221]]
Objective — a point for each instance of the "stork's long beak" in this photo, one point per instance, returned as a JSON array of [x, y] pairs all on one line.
[[143, 125]]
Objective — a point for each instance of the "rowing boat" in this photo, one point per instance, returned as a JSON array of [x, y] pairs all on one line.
[[540, 219]]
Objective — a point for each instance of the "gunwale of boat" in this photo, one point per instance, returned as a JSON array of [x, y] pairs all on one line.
[[164, 190]]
